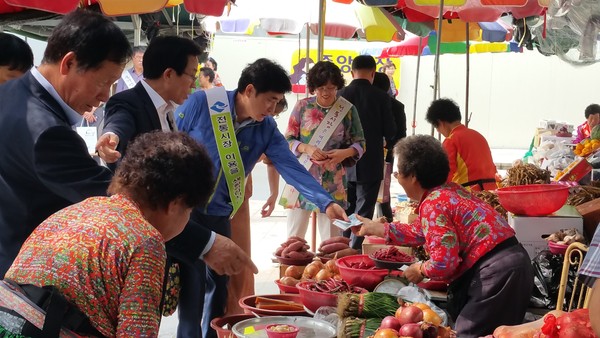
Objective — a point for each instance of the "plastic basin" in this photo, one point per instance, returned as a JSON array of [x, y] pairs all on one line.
[[286, 288], [218, 324], [533, 199], [249, 305], [313, 300], [557, 249], [363, 278], [273, 333]]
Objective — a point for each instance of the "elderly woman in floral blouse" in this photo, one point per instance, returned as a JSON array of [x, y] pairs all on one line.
[[346, 144], [106, 255], [470, 244]]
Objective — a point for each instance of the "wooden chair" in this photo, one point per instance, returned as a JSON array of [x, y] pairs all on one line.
[[580, 295]]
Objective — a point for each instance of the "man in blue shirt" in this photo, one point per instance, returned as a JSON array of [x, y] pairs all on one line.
[[261, 86]]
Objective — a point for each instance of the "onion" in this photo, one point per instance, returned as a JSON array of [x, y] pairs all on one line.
[[411, 330], [293, 271], [409, 314], [310, 271], [323, 275], [390, 322]]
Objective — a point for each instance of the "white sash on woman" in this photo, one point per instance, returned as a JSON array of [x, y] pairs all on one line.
[[319, 139]]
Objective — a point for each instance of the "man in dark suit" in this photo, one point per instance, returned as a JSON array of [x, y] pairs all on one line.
[[170, 65], [374, 109], [44, 164]]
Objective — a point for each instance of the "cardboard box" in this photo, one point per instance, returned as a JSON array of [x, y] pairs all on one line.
[[590, 211], [368, 247], [532, 231], [574, 171]]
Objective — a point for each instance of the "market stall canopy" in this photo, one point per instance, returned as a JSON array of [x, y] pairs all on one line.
[[114, 7], [470, 10], [343, 21]]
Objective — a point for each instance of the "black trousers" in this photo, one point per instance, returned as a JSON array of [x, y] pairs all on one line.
[[362, 197], [203, 293], [497, 293]]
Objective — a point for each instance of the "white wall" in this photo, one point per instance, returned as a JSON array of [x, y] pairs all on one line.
[[509, 93]]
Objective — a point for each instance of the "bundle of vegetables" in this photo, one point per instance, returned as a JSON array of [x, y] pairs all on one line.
[[582, 194], [367, 305], [526, 174], [353, 327], [334, 286], [336, 247], [491, 198], [392, 254], [266, 303], [294, 248]]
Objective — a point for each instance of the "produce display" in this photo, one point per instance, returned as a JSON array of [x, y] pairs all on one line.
[[555, 324], [316, 270], [583, 193], [295, 248], [491, 198], [333, 286], [526, 174], [392, 254], [265, 303], [336, 247], [566, 236], [367, 305], [354, 327], [586, 147]]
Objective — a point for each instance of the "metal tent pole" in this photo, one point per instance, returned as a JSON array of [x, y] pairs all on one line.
[[436, 82], [468, 44], [414, 122]]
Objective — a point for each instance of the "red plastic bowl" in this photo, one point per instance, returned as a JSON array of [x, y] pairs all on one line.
[[533, 199], [223, 325], [557, 249], [313, 300], [286, 288], [275, 334], [367, 279], [249, 305]]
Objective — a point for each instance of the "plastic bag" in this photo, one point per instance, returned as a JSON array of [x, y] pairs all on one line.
[[415, 294], [328, 314], [547, 269]]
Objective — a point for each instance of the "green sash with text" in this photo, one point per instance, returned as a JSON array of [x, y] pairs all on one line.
[[229, 152]]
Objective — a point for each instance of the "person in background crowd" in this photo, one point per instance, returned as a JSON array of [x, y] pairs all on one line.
[[44, 164], [592, 117], [133, 75], [389, 69], [16, 57], [471, 163], [346, 142], [106, 255], [169, 67], [589, 274], [249, 110], [382, 82], [375, 111], [206, 77], [242, 284], [212, 64], [469, 243]]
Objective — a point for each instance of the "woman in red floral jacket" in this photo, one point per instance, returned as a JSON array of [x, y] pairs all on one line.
[[469, 243]]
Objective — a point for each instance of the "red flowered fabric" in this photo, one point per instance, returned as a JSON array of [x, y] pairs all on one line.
[[456, 227], [105, 258]]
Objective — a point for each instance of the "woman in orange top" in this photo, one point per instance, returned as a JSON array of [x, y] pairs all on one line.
[[471, 163]]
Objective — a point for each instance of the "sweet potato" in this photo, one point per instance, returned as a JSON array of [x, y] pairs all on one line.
[[336, 239], [299, 254], [296, 246], [298, 239], [333, 247], [278, 251], [342, 253]]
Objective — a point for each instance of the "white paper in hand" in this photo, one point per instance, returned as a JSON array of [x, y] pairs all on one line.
[[346, 225]]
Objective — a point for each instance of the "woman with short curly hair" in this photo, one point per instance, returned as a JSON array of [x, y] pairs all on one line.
[[346, 143], [469, 243], [106, 255]]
